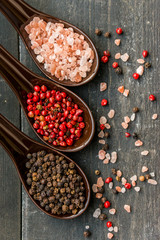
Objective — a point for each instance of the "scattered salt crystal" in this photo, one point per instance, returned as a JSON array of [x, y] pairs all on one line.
[[107, 126], [133, 178], [138, 143], [144, 153], [94, 188], [124, 125], [110, 229], [152, 174], [100, 182], [123, 190], [127, 208], [87, 227], [137, 189], [126, 93], [101, 154], [124, 181], [140, 70], [102, 120], [103, 86], [101, 134], [113, 157], [96, 213], [110, 235], [99, 195], [108, 156], [125, 57], [133, 117], [127, 119], [117, 41], [154, 116], [152, 181], [40, 58], [102, 141], [133, 183], [119, 173], [118, 189], [110, 185], [111, 113], [112, 211], [117, 56], [121, 89], [106, 161], [144, 169], [140, 61], [115, 229]]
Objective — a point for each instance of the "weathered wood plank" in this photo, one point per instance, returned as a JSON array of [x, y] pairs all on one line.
[[10, 197]]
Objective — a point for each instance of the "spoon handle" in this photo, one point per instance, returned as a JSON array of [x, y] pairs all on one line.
[[17, 12], [13, 141], [16, 75]]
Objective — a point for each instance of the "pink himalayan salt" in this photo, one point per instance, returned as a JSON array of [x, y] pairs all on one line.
[[103, 86], [110, 235], [126, 93], [152, 181], [140, 61], [144, 169], [127, 119], [63, 53], [117, 41], [127, 208], [102, 120], [101, 154], [106, 161], [112, 211], [101, 134], [125, 57], [100, 182], [117, 56], [124, 125], [140, 70], [102, 141], [155, 116], [138, 143], [111, 113], [107, 125], [119, 173]]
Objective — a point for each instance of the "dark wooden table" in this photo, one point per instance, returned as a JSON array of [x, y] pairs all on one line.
[[19, 218]]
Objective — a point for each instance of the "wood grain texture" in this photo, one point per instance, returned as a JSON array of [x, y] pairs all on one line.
[[140, 22], [10, 197]]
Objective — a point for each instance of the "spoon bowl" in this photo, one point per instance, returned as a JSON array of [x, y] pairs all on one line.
[[22, 81], [20, 14], [18, 145]]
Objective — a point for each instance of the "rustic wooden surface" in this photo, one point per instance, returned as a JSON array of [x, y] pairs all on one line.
[[19, 218]]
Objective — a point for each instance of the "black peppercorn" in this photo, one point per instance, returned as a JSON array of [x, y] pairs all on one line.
[[103, 200], [86, 233], [135, 136], [101, 206], [102, 216], [114, 172], [118, 70], [147, 65], [114, 191], [135, 109], [107, 34], [98, 32], [105, 147]]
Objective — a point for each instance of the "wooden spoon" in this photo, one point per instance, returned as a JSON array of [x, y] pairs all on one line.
[[18, 145], [20, 14], [22, 81]]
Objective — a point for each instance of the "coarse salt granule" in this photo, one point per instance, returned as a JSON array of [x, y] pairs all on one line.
[[96, 213], [103, 86], [125, 57], [112, 211], [111, 113], [110, 235], [155, 116], [152, 181], [102, 120], [144, 153], [127, 208]]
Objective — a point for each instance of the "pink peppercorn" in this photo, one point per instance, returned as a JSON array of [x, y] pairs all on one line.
[[145, 53], [152, 98]]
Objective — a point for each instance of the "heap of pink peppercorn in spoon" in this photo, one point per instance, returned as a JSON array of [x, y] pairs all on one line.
[[36, 164], [62, 51], [58, 116]]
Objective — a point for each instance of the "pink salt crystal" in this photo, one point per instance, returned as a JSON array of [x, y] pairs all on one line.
[[106, 161], [111, 113], [107, 126], [124, 125], [144, 169], [133, 116], [124, 181], [137, 189], [103, 86], [40, 58], [126, 92], [133, 178], [101, 134], [119, 173], [138, 143], [112, 211], [101, 154], [140, 61], [100, 182], [123, 190], [140, 70], [115, 229], [108, 156], [99, 195], [144, 153], [133, 183], [117, 41], [102, 141], [94, 188], [102, 120], [127, 208], [96, 213], [113, 157], [118, 189], [117, 56], [152, 181], [155, 116], [127, 119], [125, 57], [110, 235]]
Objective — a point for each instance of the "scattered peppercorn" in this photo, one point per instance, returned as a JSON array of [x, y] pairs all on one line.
[[105, 147], [104, 102], [118, 70], [107, 204], [109, 224], [147, 65], [86, 233], [145, 53], [102, 127], [128, 185], [147, 176], [106, 53], [98, 32], [97, 172], [152, 98], [107, 34], [142, 178], [108, 180], [136, 76], [115, 65], [102, 216], [134, 135], [114, 191], [135, 110], [114, 171], [106, 134], [119, 31], [104, 59], [127, 134], [103, 199], [118, 178]]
